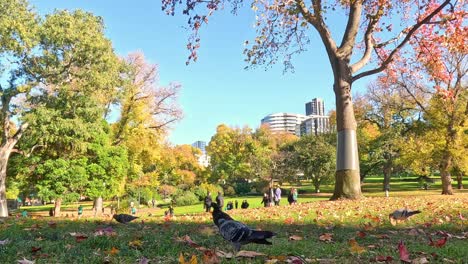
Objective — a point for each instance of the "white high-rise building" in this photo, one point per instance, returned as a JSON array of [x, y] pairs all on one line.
[[283, 122], [315, 107]]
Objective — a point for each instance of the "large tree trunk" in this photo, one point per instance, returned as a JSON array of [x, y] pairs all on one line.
[[348, 182], [387, 172], [58, 205], [98, 206], [445, 175], [5, 151]]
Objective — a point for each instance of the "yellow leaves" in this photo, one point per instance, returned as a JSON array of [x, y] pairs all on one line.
[[355, 247], [193, 260], [207, 231], [210, 257], [135, 243]]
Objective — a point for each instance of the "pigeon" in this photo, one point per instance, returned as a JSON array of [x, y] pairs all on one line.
[[236, 232], [401, 215], [124, 218]]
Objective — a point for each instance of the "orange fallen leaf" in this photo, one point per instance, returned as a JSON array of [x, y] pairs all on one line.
[[361, 234], [355, 247], [289, 220], [80, 238], [113, 251], [193, 260], [35, 249], [210, 257]]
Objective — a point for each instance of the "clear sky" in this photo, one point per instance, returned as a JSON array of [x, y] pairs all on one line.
[[216, 89]]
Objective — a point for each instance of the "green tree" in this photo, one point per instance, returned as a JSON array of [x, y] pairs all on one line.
[[315, 157], [18, 37]]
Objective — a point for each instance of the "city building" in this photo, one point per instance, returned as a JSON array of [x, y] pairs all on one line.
[[315, 107], [314, 124], [283, 122], [201, 145], [203, 159]]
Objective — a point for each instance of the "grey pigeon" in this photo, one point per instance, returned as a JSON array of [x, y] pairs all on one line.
[[124, 218], [401, 215], [236, 232]]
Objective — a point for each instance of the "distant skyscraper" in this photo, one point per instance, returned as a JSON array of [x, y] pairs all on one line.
[[200, 145], [283, 122], [315, 107]]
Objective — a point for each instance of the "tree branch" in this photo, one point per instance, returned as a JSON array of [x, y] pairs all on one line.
[[352, 27], [408, 36]]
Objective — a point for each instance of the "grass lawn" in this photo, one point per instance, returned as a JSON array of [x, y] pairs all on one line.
[[315, 231]]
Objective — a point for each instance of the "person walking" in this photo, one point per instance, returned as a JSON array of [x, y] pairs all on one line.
[[220, 200], [207, 203], [277, 197], [295, 195]]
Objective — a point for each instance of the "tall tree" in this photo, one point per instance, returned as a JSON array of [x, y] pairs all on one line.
[[76, 70], [18, 37], [438, 68], [282, 28], [147, 111]]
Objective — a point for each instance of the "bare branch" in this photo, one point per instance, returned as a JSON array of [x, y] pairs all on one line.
[[352, 27]]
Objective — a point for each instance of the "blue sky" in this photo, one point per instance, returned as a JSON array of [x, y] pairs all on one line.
[[216, 89]]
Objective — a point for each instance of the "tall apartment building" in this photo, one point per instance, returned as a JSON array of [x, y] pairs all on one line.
[[283, 122], [200, 145], [203, 159], [316, 122], [315, 107]]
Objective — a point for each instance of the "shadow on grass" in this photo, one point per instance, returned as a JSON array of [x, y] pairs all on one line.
[[153, 238]]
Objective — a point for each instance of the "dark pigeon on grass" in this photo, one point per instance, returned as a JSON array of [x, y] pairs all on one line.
[[236, 232], [401, 215], [124, 218]]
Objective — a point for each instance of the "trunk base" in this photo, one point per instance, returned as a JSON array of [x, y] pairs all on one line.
[[347, 185]]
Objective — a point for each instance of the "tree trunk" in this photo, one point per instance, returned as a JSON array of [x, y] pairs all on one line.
[[4, 155], [58, 205], [445, 175], [348, 181], [387, 172], [98, 206], [460, 181]]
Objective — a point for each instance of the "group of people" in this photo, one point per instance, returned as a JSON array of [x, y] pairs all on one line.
[[220, 201], [267, 200], [274, 197]]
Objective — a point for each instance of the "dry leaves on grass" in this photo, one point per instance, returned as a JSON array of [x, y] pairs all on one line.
[[354, 247], [326, 237], [404, 254], [105, 231], [4, 242], [295, 238], [112, 251], [193, 260], [135, 244], [26, 261]]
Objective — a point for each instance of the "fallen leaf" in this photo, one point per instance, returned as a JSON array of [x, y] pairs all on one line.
[[355, 247], [289, 220], [4, 242], [361, 234], [249, 254], [143, 260], [421, 260], [106, 231], [295, 260], [413, 232], [186, 239], [326, 237], [382, 236], [383, 259], [404, 254], [193, 260], [52, 224], [439, 243], [35, 249], [113, 251], [80, 238], [295, 237], [210, 257], [25, 261], [135, 243]]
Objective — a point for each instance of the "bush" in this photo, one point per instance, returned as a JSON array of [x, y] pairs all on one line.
[[242, 187], [185, 198], [229, 191]]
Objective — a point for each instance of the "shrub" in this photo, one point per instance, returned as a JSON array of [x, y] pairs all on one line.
[[229, 190], [242, 187], [185, 198], [202, 190]]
